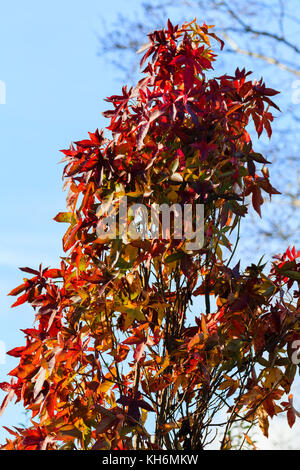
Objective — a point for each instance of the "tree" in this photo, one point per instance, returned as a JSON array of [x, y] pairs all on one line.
[[118, 359], [262, 35]]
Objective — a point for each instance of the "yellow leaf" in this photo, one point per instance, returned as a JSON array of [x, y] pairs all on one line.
[[250, 441], [131, 315], [165, 364], [167, 427], [173, 196], [204, 327], [219, 252], [274, 377], [132, 312], [108, 381], [263, 420], [144, 414]]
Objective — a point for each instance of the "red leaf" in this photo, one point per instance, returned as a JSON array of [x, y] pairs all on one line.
[[16, 352], [5, 386], [52, 273], [19, 289], [257, 199], [21, 300], [30, 271], [291, 417]]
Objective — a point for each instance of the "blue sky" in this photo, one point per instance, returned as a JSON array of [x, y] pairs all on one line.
[[55, 85]]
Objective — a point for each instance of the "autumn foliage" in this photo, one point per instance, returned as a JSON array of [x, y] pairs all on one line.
[[144, 344]]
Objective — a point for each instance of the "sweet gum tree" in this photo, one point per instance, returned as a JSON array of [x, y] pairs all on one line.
[[119, 357]]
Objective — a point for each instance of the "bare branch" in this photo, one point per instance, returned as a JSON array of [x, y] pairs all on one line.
[[257, 55]]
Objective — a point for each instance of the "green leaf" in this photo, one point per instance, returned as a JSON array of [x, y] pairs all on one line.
[[293, 275], [174, 257]]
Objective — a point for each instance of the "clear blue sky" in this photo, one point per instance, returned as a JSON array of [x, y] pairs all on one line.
[[55, 85]]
